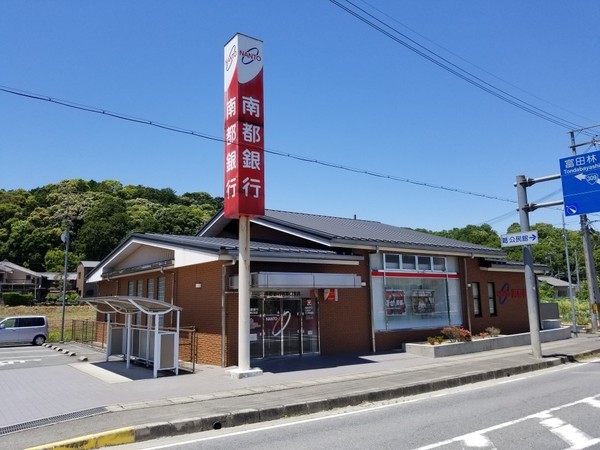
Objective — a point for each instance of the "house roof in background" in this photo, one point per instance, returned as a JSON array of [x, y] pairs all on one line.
[[7, 266], [89, 263], [554, 281]]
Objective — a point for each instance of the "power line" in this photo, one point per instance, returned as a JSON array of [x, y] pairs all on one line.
[[176, 129], [105, 112], [473, 64], [452, 68]]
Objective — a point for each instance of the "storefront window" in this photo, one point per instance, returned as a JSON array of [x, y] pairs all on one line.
[[403, 299]]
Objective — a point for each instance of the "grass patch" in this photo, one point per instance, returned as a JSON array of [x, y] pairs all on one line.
[[54, 315]]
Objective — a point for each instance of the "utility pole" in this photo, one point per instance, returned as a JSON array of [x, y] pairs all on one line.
[[524, 208], [530, 283], [588, 254]]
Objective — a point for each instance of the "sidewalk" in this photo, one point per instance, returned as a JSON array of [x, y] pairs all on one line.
[[102, 403]]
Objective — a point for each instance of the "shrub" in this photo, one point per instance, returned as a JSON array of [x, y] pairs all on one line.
[[17, 299], [493, 331], [433, 340], [52, 298], [457, 334], [582, 311]]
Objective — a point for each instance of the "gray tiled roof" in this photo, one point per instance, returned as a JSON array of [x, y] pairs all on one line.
[[338, 230], [216, 244]]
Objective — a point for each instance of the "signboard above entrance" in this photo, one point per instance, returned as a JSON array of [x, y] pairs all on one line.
[[580, 176]]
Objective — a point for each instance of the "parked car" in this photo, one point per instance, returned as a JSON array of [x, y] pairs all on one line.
[[24, 330]]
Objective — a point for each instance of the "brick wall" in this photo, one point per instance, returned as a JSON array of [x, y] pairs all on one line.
[[511, 299]]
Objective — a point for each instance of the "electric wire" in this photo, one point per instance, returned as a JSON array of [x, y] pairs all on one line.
[[176, 129], [453, 68], [456, 55]]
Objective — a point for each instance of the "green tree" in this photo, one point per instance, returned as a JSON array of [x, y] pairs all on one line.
[[142, 215], [105, 225], [179, 219], [475, 234], [100, 215]]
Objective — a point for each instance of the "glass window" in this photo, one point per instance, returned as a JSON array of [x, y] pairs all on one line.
[[424, 262], [476, 299], [414, 303], [409, 262], [439, 263], [492, 298], [131, 288], [161, 289], [9, 323], [161, 297], [392, 261], [140, 288], [150, 293]]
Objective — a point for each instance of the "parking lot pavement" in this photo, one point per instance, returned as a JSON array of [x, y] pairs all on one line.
[[28, 356]]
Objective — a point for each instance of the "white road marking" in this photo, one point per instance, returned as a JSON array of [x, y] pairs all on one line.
[[568, 433], [17, 361], [476, 440], [593, 402]]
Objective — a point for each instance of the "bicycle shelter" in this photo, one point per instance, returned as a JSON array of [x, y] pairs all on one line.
[[152, 345]]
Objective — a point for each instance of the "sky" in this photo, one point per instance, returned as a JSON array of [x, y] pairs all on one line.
[[372, 129]]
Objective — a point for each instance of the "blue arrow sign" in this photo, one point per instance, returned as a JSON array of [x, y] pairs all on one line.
[[580, 176]]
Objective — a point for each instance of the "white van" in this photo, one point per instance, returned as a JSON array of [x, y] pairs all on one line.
[[24, 330]]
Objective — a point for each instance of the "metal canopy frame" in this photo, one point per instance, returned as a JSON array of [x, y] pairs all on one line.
[[129, 305]]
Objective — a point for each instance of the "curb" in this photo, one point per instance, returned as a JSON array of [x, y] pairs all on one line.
[[155, 430], [114, 437]]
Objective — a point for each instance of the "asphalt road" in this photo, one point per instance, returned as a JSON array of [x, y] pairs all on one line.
[[551, 409]]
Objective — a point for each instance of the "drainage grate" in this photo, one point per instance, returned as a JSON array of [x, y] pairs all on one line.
[[52, 420]]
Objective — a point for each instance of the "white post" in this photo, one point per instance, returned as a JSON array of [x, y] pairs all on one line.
[[176, 356], [128, 337], [244, 295]]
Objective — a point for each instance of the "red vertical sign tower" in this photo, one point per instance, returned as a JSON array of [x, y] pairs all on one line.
[[244, 128]]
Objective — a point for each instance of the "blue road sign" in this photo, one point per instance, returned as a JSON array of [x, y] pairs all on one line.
[[580, 176]]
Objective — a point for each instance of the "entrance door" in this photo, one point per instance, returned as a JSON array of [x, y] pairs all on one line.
[[310, 326], [283, 326]]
